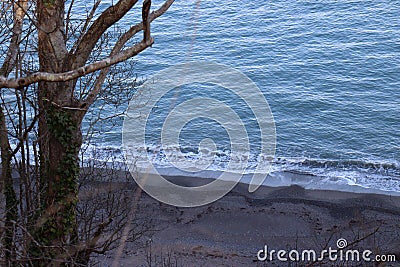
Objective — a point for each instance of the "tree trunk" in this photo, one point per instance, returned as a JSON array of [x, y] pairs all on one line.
[[11, 205], [8, 198], [60, 140], [59, 147]]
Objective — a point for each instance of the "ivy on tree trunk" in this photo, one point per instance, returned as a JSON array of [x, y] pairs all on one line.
[[56, 227]]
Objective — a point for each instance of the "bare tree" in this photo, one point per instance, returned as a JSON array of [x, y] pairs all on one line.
[[58, 92]]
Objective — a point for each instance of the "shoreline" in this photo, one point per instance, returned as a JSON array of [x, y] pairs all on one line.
[[284, 178], [363, 176], [298, 179]]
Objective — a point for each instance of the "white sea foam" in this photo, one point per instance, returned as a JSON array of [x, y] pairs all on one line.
[[354, 176]]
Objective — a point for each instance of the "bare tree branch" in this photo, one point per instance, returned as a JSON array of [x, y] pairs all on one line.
[[19, 14], [115, 57], [79, 72], [86, 25], [145, 19], [120, 44], [110, 16], [68, 17]]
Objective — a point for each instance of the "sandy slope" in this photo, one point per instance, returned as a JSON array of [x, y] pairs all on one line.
[[231, 231]]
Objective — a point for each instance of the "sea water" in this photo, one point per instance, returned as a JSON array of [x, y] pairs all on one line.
[[329, 69]]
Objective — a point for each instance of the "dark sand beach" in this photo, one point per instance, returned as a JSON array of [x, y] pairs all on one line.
[[231, 231]]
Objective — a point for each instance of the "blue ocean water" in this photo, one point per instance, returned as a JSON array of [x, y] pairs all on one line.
[[329, 69]]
